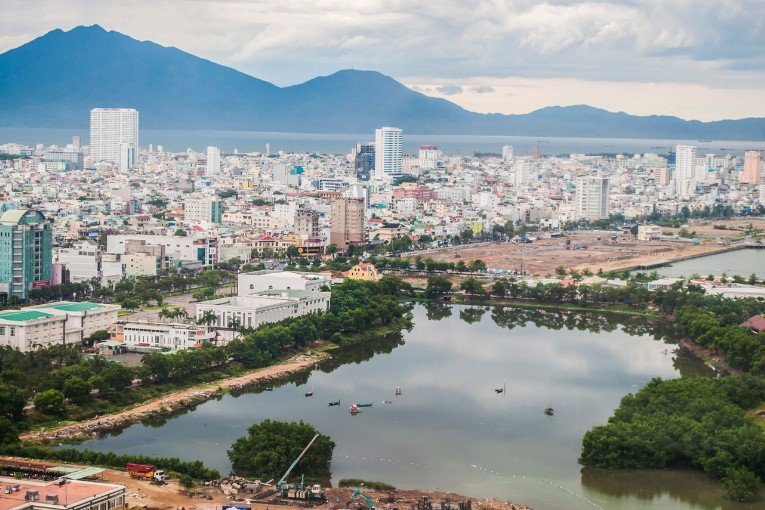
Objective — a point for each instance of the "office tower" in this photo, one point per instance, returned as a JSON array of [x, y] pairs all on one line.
[[752, 172], [203, 209], [76, 142], [507, 153], [364, 160], [388, 152], [109, 129], [347, 223], [127, 157], [213, 161], [26, 245], [429, 156], [591, 200], [536, 152], [685, 171]]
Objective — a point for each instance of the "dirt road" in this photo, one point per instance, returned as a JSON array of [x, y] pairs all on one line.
[[171, 402]]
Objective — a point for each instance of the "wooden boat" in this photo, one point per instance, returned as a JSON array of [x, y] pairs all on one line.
[[309, 394], [365, 404], [549, 411], [387, 401], [398, 390], [354, 409], [335, 403]]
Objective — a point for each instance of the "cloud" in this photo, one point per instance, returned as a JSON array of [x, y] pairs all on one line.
[[482, 89], [449, 90]]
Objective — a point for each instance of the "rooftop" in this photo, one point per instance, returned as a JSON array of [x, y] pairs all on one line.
[[23, 315], [72, 493], [81, 306]]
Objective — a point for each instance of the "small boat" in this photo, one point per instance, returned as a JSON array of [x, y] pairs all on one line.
[[549, 411], [500, 390], [354, 409], [365, 404], [335, 403], [387, 401], [398, 390], [309, 394]]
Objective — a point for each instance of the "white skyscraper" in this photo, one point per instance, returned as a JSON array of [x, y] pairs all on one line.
[[388, 152], [592, 198], [213, 161], [522, 173], [109, 129], [685, 170], [507, 153], [127, 156]]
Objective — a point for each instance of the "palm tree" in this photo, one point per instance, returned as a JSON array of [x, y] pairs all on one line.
[[208, 318], [234, 323]]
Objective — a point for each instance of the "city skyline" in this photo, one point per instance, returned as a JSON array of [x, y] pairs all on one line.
[[511, 57]]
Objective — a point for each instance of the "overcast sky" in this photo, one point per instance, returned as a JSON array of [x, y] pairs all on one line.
[[702, 59]]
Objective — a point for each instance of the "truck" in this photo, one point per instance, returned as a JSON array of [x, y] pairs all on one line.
[[145, 472]]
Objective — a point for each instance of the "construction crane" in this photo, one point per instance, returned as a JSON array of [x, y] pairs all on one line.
[[356, 493], [299, 491]]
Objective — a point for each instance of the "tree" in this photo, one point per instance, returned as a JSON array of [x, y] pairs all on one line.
[[9, 434], [50, 402], [271, 446], [472, 286], [117, 376], [437, 286], [180, 233], [76, 389], [499, 288], [12, 402], [331, 249], [741, 485], [208, 317]]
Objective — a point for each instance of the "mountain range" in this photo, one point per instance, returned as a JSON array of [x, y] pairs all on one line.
[[54, 80]]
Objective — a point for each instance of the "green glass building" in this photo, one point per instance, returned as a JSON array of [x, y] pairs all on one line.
[[26, 244]]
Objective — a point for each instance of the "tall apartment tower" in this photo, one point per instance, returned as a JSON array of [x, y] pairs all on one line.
[[389, 152], [507, 153], [110, 128], [752, 172], [364, 160], [592, 198], [203, 209], [347, 223], [685, 171], [26, 252], [213, 161]]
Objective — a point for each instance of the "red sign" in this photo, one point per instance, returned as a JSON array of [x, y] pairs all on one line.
[[41, 283]]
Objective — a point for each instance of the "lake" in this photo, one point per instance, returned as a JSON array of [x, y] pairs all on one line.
[[739, 262], [248, 141], [450, 430]]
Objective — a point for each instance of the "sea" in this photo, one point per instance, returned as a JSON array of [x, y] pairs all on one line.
[[322, 143]]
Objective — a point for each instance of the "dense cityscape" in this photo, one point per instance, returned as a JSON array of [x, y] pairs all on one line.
[[397, 325]]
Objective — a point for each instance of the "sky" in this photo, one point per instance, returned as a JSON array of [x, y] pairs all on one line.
[[696, 59]]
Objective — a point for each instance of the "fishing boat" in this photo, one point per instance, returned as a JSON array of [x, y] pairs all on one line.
[[500, 390], [335, 403], [309, 394], [365, 404], [549, 411], [354, 409], [387, 401], [398, 390]]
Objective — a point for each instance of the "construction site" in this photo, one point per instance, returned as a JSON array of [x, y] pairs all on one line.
[[147, 489]]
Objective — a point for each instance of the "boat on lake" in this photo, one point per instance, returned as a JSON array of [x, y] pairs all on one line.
[[365, 404], [334, 403], [309, 394], [549, 411], [354, 409]]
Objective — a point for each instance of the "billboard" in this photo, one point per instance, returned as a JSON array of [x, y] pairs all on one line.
[[40, 283]]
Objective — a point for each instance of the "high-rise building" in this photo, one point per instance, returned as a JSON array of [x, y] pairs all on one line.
[[522, 172], [592, 198], [127, 157], [685, 170], [109, 129], [347, 223], [213, 161], [507, 153], [429, 156], [364, 160], [76, 142], [752, 171], [26, 251], [389, 152], [203, 209]]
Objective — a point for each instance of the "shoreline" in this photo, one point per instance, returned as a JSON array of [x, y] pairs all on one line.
[[171, 402]]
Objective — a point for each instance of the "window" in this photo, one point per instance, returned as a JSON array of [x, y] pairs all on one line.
[[2, 330], [252, 286], [13, 331]]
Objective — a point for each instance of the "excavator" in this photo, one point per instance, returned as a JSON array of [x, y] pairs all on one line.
[[356, 494]]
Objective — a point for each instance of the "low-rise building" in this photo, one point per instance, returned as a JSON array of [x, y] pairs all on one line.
[[27, 330], [251, 311], [648, 232], [149, 336], [83, 318], [38, 494], [363, 271], [259, 281]]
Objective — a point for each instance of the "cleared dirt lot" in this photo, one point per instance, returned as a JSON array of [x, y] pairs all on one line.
[[587, 250]]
